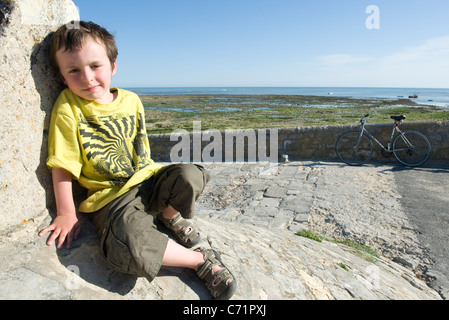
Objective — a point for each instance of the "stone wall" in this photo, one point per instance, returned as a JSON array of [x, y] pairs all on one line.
[[319, 142], [301, 143], [28, 89]]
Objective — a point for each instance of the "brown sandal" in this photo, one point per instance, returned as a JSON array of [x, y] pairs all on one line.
[[221, 284], [182, 229]]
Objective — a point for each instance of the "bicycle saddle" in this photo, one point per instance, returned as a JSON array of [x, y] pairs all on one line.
[[397, 118]]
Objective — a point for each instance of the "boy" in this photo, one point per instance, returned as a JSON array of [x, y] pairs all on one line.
[[98, 136]]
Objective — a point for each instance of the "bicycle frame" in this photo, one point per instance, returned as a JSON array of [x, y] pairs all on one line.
[[388, 148]]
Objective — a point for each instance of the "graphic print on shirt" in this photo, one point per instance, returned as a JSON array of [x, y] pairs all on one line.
[[114, 145]]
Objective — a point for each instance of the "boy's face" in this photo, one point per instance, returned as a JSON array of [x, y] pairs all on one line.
[[87, 71]]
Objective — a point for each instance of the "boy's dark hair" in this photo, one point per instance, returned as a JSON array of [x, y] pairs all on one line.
[[74, 38]]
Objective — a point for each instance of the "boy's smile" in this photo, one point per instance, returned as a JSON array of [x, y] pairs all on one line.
[[87, 71]]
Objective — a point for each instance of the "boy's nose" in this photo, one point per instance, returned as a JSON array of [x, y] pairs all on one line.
[[87, 75]]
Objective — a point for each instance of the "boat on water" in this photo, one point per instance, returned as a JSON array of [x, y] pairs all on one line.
[[413, 96]]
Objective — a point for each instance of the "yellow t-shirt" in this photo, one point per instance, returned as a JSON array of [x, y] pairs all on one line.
[[104, 146]]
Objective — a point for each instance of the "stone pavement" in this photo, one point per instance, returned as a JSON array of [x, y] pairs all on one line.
[[249, 213], [361, 204], [424, 198], [399, 212]]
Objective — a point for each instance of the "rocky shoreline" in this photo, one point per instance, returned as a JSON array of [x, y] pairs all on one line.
[[165, 113]]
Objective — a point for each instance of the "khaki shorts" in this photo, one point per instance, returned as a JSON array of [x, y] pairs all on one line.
[[129, 238]]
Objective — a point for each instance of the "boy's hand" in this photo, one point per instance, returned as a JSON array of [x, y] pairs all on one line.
[[63, 227], [66, 224]]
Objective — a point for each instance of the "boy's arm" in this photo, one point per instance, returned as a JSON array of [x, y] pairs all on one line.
[[66, 224]]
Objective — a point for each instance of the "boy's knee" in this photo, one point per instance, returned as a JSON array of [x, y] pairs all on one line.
[[187, 184], [178, 185], [192, 174]]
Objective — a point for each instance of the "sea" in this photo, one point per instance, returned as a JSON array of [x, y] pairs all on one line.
[[429, 96]]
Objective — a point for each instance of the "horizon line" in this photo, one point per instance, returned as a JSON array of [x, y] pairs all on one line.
[[393, 87]]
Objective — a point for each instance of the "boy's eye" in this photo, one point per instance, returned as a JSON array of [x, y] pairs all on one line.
[[95, 66], [73, 70]]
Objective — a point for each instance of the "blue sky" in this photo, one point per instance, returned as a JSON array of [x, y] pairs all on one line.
[[189, 43]]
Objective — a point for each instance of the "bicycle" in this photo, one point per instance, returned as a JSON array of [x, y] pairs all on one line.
[[411, 148]]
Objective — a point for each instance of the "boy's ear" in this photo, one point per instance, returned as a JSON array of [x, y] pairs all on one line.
[[114, 68], [62, 78]]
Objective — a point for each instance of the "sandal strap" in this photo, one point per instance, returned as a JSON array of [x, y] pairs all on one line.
[[217, 283], [171, 223], [177, 222], [204, 270], [187, 234]]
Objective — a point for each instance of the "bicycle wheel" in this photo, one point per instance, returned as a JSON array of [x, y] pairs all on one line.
[[411, 148], [352, 151]]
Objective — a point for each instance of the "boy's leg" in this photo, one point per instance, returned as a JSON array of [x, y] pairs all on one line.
[[169, 212], [176, 255], [129, 239], [208, 266], [177, 186], [175, 190], [132, 244]]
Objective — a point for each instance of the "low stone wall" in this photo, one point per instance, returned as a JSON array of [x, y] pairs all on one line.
[[301, 143]]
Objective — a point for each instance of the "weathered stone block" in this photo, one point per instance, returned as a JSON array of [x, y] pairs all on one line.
[[28, 89]]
